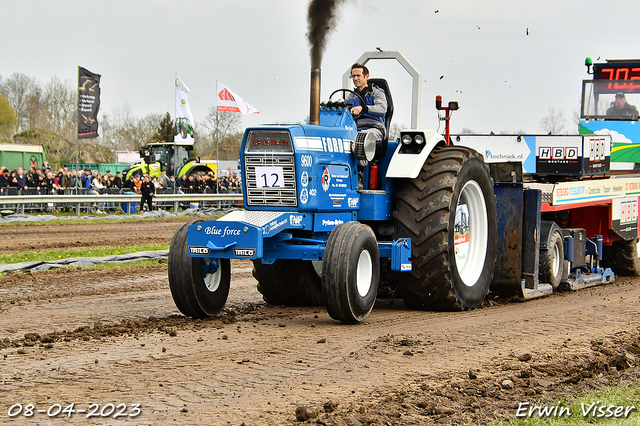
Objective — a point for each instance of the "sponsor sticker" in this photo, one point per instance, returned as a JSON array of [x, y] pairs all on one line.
[[295, 219], [244, 252], [326, 180], [199, 250]]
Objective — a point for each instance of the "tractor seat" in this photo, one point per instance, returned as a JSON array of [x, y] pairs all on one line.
[[382, 84]]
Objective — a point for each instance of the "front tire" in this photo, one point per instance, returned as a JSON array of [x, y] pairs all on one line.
[[350, 272], [451, 270], [199, 287]]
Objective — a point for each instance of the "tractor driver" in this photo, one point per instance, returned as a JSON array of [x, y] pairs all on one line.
[[375, 107], [621, 108]]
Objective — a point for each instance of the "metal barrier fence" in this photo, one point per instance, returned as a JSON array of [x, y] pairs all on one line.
[[83, 200]]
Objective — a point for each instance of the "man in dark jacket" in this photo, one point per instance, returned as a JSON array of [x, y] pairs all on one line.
[[117, 181], [148, 190], [621, 108], [372, 113], [21, 179]]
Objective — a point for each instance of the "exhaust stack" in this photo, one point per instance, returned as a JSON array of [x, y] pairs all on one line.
[[314, 104]]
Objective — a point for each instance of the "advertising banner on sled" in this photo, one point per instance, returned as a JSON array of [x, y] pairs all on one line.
[[88, 103]]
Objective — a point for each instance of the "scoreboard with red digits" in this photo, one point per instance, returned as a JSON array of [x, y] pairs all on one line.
[[622, 76]]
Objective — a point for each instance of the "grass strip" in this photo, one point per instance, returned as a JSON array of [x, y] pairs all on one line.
[[48, 255], [98, 219]]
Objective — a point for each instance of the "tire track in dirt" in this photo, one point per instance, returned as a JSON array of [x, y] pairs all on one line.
[[265, 360], [257, 363]]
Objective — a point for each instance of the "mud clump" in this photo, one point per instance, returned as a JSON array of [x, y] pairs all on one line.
[[482, 396]]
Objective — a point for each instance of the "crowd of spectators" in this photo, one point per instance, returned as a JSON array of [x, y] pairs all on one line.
[[43, 180]]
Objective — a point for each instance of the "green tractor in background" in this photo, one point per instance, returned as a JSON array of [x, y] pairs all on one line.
[[177, 159]]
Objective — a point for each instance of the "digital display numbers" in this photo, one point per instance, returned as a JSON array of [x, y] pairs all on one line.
[[622, 76], [274, 141]]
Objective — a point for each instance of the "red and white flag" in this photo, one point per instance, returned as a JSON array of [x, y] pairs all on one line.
[[229, 101]]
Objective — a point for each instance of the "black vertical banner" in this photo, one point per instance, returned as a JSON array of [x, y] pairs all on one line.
[[88, 103]]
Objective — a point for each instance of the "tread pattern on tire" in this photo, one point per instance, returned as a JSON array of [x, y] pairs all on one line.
[[622, 258], [423, 213], [288, 282], [339, 272], [180, 275]]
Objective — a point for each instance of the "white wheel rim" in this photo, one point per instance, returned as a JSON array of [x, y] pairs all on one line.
[[212, 281], [364, 273], [555, 262], [470, 248]]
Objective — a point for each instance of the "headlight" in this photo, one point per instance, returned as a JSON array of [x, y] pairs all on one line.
[[406, 139], [419, 139]]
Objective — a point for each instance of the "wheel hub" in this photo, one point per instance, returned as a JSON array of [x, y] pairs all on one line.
[[364, 274], [212, 276]]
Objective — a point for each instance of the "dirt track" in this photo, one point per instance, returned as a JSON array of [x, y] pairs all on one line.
[[89, 336]]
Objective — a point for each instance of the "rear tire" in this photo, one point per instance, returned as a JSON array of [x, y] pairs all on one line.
[[451, 271], [288, 282], [199, 289], [622, 258], [350, 272], [552, 261]]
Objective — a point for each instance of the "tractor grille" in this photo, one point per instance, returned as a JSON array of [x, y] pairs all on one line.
[[278, 196]]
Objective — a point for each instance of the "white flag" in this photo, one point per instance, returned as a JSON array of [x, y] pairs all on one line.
[[229, 101], [184, 119]]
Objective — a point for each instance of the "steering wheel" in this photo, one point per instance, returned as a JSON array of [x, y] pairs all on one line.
[[358, 95]]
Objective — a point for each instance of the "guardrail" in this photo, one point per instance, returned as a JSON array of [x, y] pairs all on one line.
[[112, 201]]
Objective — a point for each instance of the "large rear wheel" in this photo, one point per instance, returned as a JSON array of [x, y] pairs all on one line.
[[199, 286], [449, 212]]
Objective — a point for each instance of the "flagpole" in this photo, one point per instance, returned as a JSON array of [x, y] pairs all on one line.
[[77, 121], [216, 136]]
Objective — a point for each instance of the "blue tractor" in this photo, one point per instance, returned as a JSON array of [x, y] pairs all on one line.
[[323, 230]]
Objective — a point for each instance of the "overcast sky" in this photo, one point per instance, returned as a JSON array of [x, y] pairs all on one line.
[[475, 52]]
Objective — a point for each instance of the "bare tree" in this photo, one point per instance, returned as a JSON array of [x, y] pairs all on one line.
[[125, 131], [217, 130], [554, 123], [21, 91], [59, 100], [394, 131]]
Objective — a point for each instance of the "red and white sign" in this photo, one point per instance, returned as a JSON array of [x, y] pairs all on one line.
[[230, 101]]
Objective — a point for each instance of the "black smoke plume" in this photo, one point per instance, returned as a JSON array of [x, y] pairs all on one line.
[[320, 19]]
